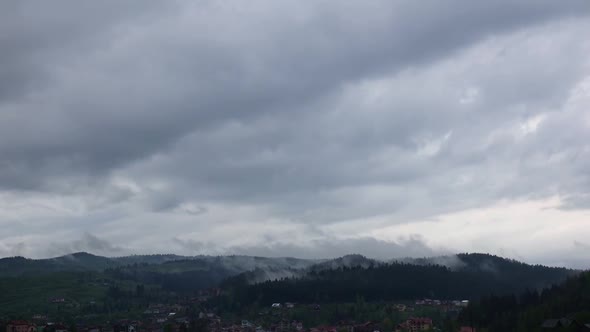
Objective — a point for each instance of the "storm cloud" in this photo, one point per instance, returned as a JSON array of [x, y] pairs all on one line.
[[294, 128]]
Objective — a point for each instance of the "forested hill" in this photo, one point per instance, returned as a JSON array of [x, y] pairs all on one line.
[[477, 275], [82, 261], [528, 310], [18, 266]]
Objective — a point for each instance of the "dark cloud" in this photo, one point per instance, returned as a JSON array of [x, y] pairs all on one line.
[[141, 81]]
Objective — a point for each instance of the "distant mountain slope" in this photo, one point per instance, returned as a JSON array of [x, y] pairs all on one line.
[[180, 273], [260, 274], [206, 271], [503, 269], [16, 266], [474, 275], [82, 261]]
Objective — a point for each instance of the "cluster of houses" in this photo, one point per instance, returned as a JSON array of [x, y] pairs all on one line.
[[414, 324], [26, 326], [178, 318], [213, 323], [446, 303]]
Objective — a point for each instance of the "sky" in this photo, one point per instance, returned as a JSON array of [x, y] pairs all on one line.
[[296, 128]]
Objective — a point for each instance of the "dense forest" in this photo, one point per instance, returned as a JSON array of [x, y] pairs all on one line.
[[477, 276], [528, 311]]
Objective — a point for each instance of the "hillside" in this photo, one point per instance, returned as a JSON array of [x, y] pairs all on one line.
[[528, 310], [82, 261], [18, 266], [477, 275], [94, 285], [172, 272]]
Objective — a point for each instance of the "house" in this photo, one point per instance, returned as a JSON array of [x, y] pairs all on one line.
[[366, 327], [298, 326], [276, 305], [59, 328], [324, 329], [400, 307], [125, 326], [20, 326], [414, 324], [55, 327], [90, 329]]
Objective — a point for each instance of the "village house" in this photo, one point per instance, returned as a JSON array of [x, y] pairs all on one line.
[[414, 324], [55, 327], [20, 326], [366, 327], [91, 328]]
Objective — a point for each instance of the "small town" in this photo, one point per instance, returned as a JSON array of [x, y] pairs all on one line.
[[180, 318]]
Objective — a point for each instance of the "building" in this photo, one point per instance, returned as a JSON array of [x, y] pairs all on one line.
[[20, 326], [414, 324]]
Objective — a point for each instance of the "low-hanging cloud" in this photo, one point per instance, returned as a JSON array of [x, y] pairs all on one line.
[[332, 248], [87, 243]]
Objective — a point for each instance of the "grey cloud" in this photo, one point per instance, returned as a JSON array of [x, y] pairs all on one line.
[[194, 247], [87, 243], [319, 161], [313, 113], [10, 250], [575, 256], [105, 108], [39, 35]]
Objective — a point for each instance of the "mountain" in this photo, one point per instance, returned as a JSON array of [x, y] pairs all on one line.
[[173, 272], [470, 277], [99, 285], [82, 261], [18, 266], [434, 276], [259, 275], [201, 272]]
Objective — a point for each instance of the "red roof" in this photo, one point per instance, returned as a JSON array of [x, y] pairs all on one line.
[[19, 322], [467, 329]]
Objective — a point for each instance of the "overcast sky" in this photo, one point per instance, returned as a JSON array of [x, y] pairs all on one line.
[[296, 128]]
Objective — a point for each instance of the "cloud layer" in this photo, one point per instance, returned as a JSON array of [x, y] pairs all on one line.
[[291, 128]]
